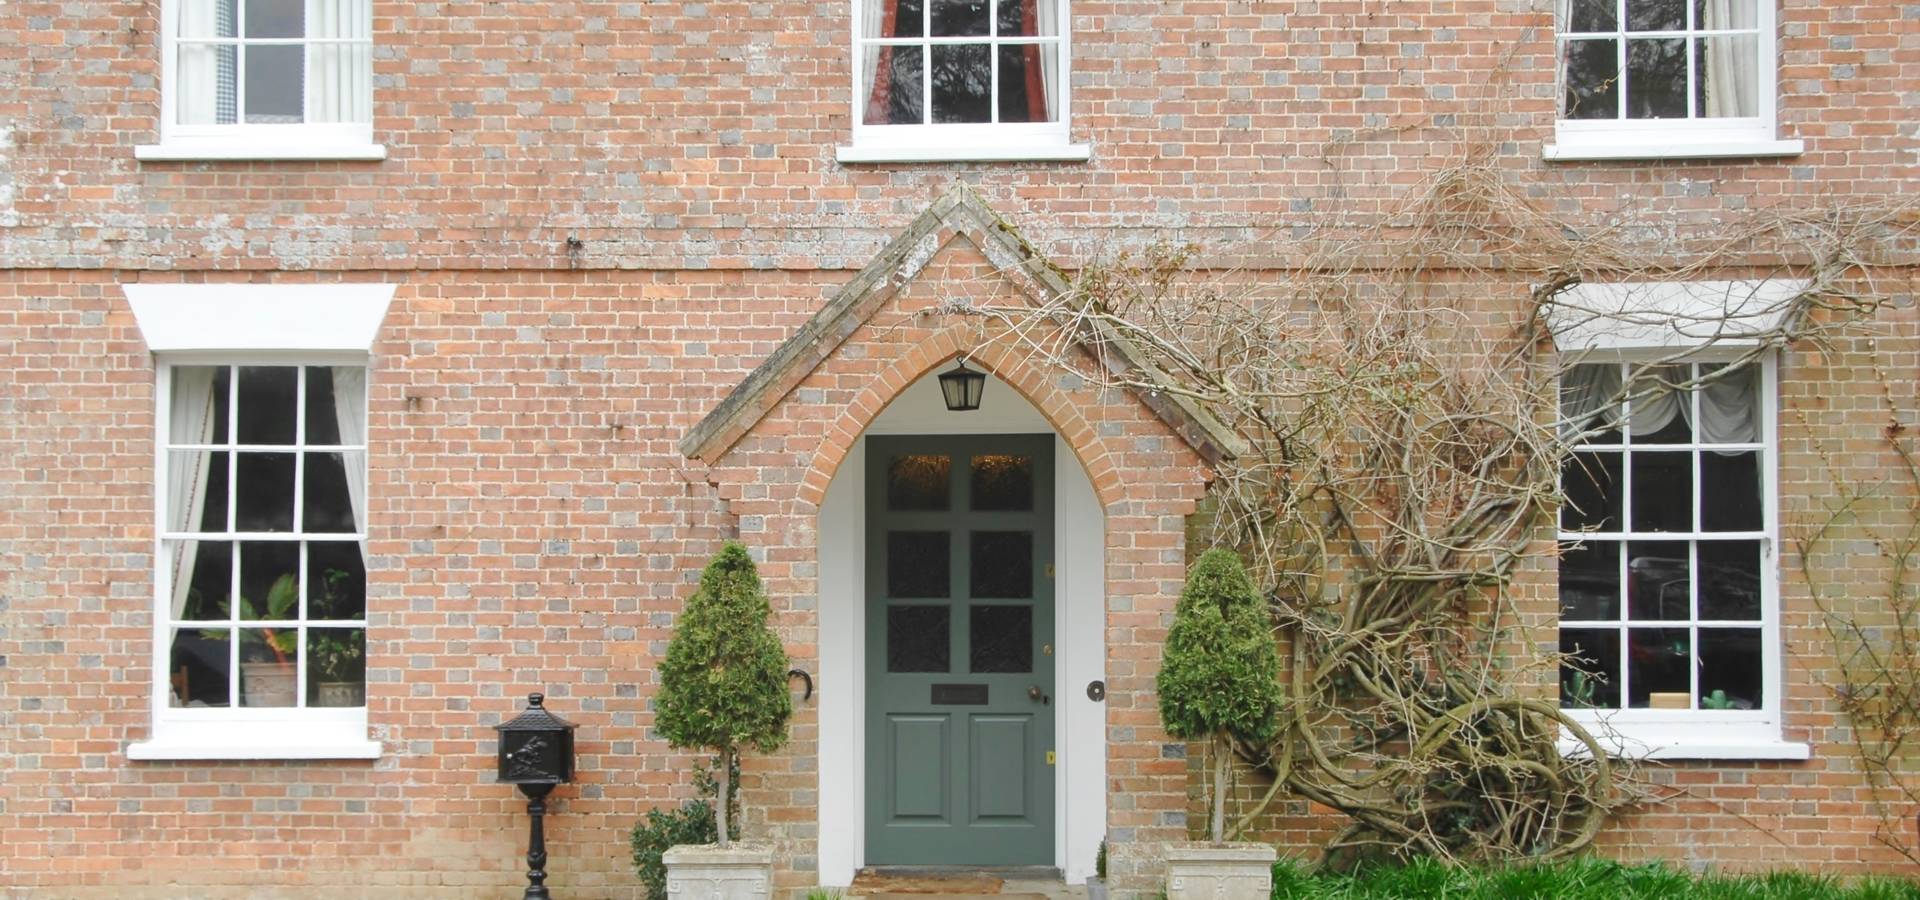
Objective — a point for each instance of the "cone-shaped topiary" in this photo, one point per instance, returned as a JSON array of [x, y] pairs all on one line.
[[723, 685], [1220, 672]]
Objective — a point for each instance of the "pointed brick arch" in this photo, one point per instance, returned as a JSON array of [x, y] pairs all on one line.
[[999, 359]]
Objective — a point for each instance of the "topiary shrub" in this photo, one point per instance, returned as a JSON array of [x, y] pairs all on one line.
[[691, 823], [723, 684], [1219, 670]]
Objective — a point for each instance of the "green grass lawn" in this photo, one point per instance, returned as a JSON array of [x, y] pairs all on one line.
[[1586, 879]]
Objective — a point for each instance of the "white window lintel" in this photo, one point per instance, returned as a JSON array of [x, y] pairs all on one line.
[[1670, 315], [259, 317]]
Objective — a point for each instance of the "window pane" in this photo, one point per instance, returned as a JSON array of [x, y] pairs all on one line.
[[196, 490], [264, 494], [276, 18], [1730, 491], [918, 564], [269, 659], [198, 409], [1590, 582], [918, 639], [1590, 403], [347, 70], [1730, 580], [268, 398], [1000, 639], [270, 580], [1594, 488], [1659, 585], [1661, 415], [1657, 79], [339, 581], [960, 18], [1730, 669], [197, 665], [909, 17], [324, 413], [276, 83], [336, 667], [1656, 15], [1659, 668], [1730, 410], [893, 86], [207, 568], [1590, 668], [1002, 564], [919, 482], [1026, 83], [1028, 18], [1663, 491], [1727, 76], [961, 84], [1002, 482], [208, 79], [328, 504], [209, 19], [1590, 15], [1592, 89]]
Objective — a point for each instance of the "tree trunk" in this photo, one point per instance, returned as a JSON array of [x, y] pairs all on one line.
[[1221, 761], [720, 808]]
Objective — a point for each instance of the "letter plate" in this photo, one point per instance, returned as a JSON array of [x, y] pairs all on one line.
[[959, 695]]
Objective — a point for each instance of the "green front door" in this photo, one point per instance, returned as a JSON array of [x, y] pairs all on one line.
[[960, 650]]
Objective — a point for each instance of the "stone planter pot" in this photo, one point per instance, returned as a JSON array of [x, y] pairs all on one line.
[[1096, 889], [1230, 872], [706, 872], [340, 693], [267, 684]]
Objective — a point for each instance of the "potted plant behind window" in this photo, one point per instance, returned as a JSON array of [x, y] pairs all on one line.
[[1219, 680], [723, 688], [336, 657], [268, 673]]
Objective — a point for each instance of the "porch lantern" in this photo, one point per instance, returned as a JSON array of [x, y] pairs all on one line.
[[962, 387], [536, 753]]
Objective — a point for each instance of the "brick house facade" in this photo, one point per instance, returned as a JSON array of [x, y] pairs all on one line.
[[649, 278]]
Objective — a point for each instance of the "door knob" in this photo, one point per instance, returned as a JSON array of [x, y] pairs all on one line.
[[1036, 695]]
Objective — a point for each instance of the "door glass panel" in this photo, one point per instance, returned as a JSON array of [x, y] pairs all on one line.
[[1002, 482], [918, 482], [1001, 564], [917, 639], [1000, 639], [917, 564]]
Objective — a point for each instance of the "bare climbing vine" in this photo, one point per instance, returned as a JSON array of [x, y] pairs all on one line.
[[1395, 485]]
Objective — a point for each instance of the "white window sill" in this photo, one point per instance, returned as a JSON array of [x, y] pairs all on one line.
[[1008, 152], [1656, 749], [240, 150], [1654, 149], [173, 749]]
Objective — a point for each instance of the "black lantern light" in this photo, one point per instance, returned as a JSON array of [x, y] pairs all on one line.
[[536, 753], [962, 387]]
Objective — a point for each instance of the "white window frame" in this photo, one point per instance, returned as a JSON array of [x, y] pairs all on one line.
[[974, 142], [246, 324], [247, 141], [1694, 733], [1691, 138]]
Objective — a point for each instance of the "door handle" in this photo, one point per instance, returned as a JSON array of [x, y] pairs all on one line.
[[1036, 695]]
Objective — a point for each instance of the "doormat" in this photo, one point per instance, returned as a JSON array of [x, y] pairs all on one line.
[[869, 883]]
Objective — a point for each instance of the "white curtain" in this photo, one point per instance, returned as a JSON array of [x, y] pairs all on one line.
[[1731, 65], [350, 411], [339, 82], [1729, 406], [1049, 22], [204, 76], [190, 421]]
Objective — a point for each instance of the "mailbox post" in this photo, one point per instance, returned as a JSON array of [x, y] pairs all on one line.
[[536, 753]]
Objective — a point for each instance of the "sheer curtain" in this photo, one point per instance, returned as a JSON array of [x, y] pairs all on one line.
[[350, 411], [1729, 406], [1041, 90], [205, 81], [339, 76], [1731, 65], [877, 19], [190, 421]]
